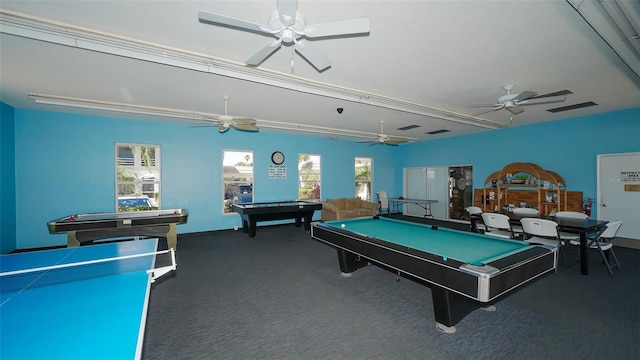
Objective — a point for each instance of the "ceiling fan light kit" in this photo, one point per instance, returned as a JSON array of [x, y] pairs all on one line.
[[288, 26], [513, 102]]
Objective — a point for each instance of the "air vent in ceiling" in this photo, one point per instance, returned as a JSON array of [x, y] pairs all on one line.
[[572, 107], [408, 127], [435, 132]]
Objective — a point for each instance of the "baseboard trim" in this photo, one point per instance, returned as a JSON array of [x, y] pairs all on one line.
[[626, 242]]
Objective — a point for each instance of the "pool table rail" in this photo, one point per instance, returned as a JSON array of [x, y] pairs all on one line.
[[457, 287]]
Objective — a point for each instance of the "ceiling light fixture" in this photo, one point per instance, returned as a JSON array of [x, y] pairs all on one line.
[[32, 27]]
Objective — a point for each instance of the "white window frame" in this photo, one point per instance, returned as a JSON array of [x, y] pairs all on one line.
[[366, 183], [244, 177], [306, 185], [135, 178]]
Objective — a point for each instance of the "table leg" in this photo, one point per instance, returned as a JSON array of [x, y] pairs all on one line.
[[252, 228], [299, 221], [172, 236], [307, 223], [72, 240], [349, 262], [449, 308], [584, 254]]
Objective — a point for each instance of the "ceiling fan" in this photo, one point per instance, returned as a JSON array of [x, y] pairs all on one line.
[[513, 102], [226, 121], [383, 138], [288, 26]]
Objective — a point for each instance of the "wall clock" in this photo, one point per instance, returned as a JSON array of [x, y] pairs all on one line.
[[277, 157]]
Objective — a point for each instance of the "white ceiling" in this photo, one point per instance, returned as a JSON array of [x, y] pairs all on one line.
[[426, 55]]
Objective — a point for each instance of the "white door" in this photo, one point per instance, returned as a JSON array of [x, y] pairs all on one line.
[[618, 195], [427, 184], [415, 187]]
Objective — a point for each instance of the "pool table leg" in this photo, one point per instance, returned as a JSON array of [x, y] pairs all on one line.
[[349, 262], [449, 308]]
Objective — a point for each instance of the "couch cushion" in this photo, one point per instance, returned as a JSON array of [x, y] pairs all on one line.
[[345, 214], [339, 203], [352, 203], [363, 212]]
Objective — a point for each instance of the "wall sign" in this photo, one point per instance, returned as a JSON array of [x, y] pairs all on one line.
[[277, 171], [627, 177]]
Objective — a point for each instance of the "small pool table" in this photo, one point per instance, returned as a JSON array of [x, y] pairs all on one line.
[[83, 228], [251, 213], [464, 270]]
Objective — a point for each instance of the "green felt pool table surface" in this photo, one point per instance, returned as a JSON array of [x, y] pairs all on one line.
[[471, 248]]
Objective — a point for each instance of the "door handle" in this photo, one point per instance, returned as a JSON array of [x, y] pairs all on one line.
[[604, 205]]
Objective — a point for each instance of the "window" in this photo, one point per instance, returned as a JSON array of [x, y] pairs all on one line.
[[237, 178], [309, 177], [363, 178], [137, 177]]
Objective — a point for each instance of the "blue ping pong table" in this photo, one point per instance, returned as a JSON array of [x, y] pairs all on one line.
[[77, 303]]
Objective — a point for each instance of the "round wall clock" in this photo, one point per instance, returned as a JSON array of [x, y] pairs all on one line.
[[277, 157]]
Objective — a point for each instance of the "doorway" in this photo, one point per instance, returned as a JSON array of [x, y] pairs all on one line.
[[460, 191], [619, 191]]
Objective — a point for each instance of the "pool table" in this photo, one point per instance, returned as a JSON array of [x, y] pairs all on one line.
[[84, 228], [464, 270], [251, 213]]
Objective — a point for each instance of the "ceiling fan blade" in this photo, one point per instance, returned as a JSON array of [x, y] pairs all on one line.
[[264, 53], [543, 100], [287, 10], [495, 108], [515, 109], [484, 105], [396, 140], [555, 93], [246, 127], [223, 20], [244, 121], [312, 56], [524, 95], [335, 28]]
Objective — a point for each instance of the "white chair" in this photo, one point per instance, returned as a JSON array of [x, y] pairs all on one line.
[[474, 210], [525, 211], [567, 236], [384, 202], [517, 230], [497, 225], [543, 232], [602, 242]]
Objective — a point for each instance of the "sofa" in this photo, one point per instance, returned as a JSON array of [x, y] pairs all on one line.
[[346, 208]]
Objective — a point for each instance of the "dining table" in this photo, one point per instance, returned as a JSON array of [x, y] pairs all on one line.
[[583, 227]]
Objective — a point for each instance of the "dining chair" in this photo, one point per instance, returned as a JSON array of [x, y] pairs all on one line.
[[602, 242], [384, 202], [543, 232], [567, 236], [474, 210], [517, 229], [497, 225], [525, 211]]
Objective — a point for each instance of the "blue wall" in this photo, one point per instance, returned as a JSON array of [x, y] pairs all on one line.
[[63, 163], [7, 180], [567, 147]]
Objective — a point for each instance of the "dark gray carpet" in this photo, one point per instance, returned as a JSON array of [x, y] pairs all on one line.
[[280, 296]]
